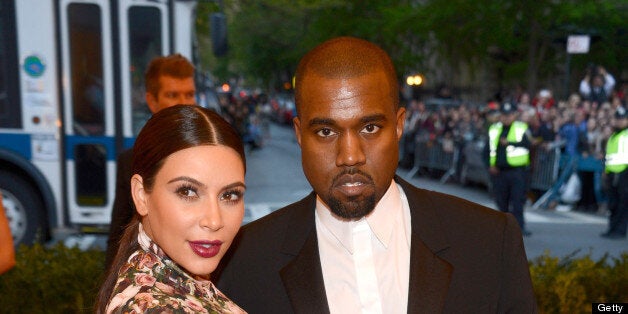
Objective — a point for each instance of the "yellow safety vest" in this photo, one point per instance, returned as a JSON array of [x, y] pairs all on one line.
[[617, 152], [515, 156]]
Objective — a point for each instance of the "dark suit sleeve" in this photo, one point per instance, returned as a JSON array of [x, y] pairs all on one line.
[[517, 294], [123, 207]]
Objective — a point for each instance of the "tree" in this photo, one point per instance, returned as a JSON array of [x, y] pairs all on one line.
[[522, 41], [503, 42]]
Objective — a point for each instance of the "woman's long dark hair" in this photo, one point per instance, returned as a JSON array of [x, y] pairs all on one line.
[[166, 132]]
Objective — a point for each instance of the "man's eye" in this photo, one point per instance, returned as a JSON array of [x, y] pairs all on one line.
[[371, 128], [171, 95], [325, 132]]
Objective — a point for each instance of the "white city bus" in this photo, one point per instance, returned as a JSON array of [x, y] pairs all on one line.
[[71, 98]]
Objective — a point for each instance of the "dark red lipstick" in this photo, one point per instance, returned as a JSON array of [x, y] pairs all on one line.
[[206, 249]]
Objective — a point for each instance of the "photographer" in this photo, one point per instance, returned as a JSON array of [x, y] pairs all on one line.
[[597, 85]]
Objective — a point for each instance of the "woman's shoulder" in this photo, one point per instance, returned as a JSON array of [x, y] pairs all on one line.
[[158, 301], [147, 283]]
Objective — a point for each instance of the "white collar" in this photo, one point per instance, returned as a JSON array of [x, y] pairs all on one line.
[[381, 220]]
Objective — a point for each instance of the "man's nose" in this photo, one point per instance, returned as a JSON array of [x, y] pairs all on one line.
[[350, 150]]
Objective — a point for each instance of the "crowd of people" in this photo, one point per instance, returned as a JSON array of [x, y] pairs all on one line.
[[250, 114], [580, 125]]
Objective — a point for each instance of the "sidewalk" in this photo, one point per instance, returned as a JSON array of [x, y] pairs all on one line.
[[560, 233], [475, 194]]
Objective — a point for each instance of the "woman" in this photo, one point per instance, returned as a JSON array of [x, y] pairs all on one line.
[[188, 188]]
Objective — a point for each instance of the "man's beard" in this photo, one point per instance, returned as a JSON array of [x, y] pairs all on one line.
[[355, 207]]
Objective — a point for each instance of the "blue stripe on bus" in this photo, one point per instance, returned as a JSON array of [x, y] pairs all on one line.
[[128, 142], [107, 142], [19, 143]]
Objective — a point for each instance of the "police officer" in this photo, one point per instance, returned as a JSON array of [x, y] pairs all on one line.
[[509, 143], [616, 168]]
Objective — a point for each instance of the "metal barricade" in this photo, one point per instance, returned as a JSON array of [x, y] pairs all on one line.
[[474, 168], [438, 154], [545, 167], [421, 155], [552, 171]]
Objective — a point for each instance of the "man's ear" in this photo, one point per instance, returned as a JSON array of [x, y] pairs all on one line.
[[151, 101], [401, 121], [140, 197], [297, 128]]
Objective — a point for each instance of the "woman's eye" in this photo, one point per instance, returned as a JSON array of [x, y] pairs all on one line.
[[325, 132], [187, 192], [232, 196], [371, 128]]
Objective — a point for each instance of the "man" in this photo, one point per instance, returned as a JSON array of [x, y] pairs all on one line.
[[509, 159], [366, 240], [169, 81], [617, 177], [597, 85]]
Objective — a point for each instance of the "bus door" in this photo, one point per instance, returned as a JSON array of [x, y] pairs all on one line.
[[144, 34], [88, 103]]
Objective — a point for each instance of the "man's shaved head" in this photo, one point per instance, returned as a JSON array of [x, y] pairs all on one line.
[[345, 57], [348, 124]]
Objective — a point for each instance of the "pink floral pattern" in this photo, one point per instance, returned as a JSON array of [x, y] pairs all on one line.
[[150, 282]]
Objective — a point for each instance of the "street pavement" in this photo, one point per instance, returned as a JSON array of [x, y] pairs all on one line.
[[557, 233], [274, 179]]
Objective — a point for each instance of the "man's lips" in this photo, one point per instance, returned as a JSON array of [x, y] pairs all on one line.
[[352, 184], [206, 249]]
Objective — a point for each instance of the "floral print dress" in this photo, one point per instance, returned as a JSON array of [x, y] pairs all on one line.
[[150, 282]]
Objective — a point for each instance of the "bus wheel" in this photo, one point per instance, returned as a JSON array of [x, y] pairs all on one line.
[[23, 207]]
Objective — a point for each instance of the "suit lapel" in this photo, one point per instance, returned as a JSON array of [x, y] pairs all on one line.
[[302, 276], [430, 274]]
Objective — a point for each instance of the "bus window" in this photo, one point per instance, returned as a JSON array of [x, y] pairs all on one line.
[[10, 107], [91, 179], [84, 23], [145, 32]]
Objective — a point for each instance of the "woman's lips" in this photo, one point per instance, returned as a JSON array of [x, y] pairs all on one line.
[[205, 249]]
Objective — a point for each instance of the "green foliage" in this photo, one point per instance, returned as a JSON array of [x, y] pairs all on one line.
[[519, 42], [66, 280], [570, 285], [52, 280]]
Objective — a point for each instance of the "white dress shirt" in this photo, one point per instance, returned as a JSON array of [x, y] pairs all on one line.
[[366, 263]]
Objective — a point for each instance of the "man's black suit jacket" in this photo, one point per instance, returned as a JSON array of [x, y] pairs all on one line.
[[465, 258]]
